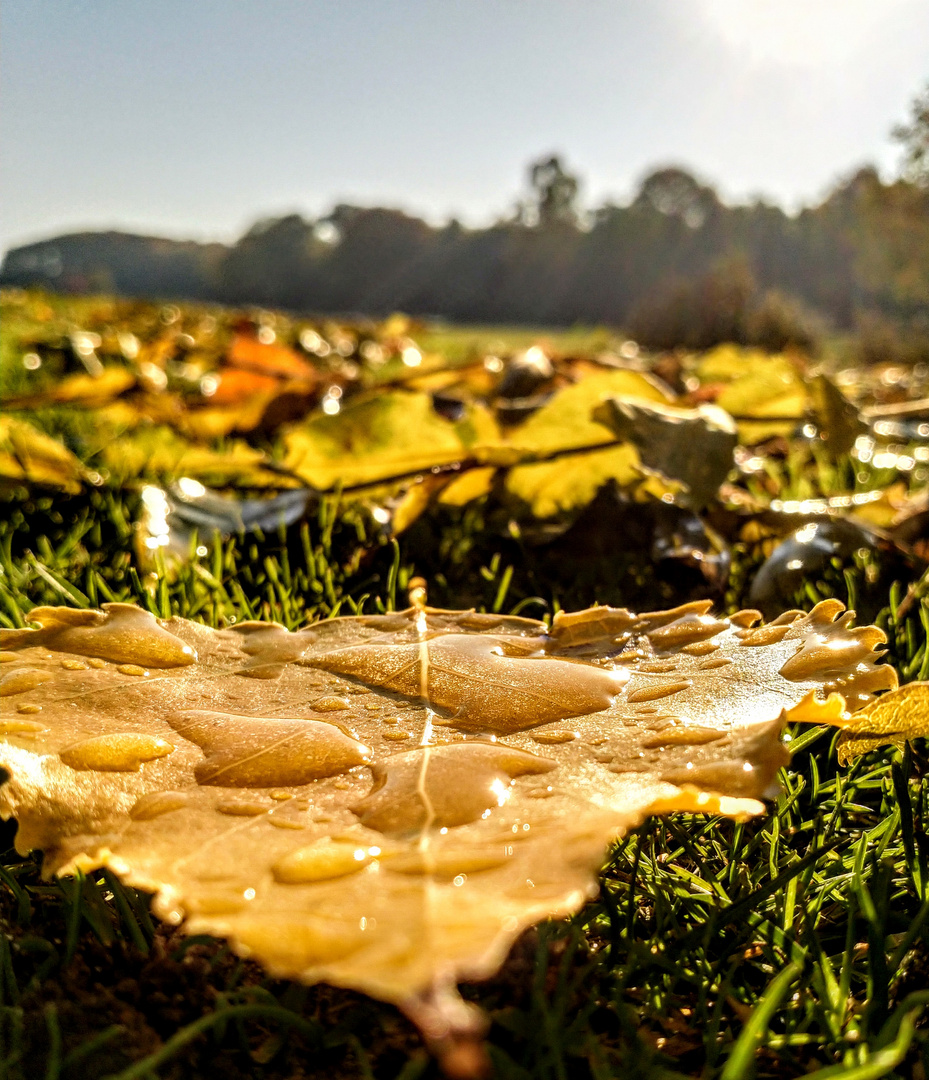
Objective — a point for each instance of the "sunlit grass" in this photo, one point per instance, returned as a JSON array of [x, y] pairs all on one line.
[[793, 944]]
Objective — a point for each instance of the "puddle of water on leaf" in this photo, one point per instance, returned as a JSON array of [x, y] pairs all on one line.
[[264, 751], [122, 633]]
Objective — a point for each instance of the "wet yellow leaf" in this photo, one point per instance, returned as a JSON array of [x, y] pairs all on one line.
[[386, 802], [394, 434]]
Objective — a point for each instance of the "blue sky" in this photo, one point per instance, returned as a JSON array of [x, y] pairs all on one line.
[[195, 117]]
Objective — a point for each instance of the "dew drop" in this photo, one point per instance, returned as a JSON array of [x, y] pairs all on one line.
[[716, 662], [281, 822], [818, 658], [131, 669], [320, 861], [745, 618], [658, 690], [115, 753], [21, 680], [764, 635], [217, 904], [157, 803], [96, 662], [332, 704], [7, 658], [122, 633], [28, 709], [280, 795], [71, 664], [690, 628], [683, 736], [269, 644], [541, 793], [701, 648], [21, 727], [396, 735], [443, 786], [552, 738]]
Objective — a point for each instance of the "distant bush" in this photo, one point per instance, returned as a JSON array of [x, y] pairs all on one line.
[[778, 321], [721, 306], [695, 313], [880, 340]]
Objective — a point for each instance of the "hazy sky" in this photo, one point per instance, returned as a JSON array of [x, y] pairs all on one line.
[[194, 117]]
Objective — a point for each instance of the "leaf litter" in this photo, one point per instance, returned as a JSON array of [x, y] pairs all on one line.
[[386, 802]]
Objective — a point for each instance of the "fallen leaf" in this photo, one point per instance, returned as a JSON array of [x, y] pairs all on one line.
[[161, 455], [893, 719], [693, 446], [273, 358], [86, 391], [758, 385], [839, 421], [29, 456], [567, 421], [386, 802], [384, 435]]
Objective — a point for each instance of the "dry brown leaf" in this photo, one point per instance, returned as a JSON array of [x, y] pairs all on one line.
[[297, 793]]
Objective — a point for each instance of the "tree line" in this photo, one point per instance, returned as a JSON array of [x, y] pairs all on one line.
[[675, 266]]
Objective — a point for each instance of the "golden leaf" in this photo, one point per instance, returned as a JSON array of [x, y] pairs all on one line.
[[892, 719], [567, 421], [397, 434], [386, 802], [373, 438], [759, 385]]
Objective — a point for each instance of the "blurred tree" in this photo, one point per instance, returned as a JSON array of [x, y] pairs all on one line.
[[271, 264], [676, 193], [914, 137], [554, 193]]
